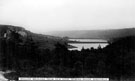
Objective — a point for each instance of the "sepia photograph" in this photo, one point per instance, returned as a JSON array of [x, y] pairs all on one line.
[[62, 40]]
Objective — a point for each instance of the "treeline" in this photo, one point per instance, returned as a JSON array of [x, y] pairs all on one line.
[[117, 60], [27, 58]]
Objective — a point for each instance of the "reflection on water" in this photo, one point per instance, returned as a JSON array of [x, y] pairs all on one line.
[[79, 46]]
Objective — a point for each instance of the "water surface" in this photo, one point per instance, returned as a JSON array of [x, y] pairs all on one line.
[[86, 45]]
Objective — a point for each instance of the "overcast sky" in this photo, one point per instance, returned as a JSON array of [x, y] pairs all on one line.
[[50, 15]]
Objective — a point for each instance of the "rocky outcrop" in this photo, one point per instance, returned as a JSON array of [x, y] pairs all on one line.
[[11, 40]]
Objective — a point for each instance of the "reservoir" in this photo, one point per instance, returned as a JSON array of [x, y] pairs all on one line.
[[87, 43]]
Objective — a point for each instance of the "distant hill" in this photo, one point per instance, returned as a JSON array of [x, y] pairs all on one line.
[[101, 34], [43, 41], [19, 46]]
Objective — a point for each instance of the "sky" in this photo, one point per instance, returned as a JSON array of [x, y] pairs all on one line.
[[57, 15]]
